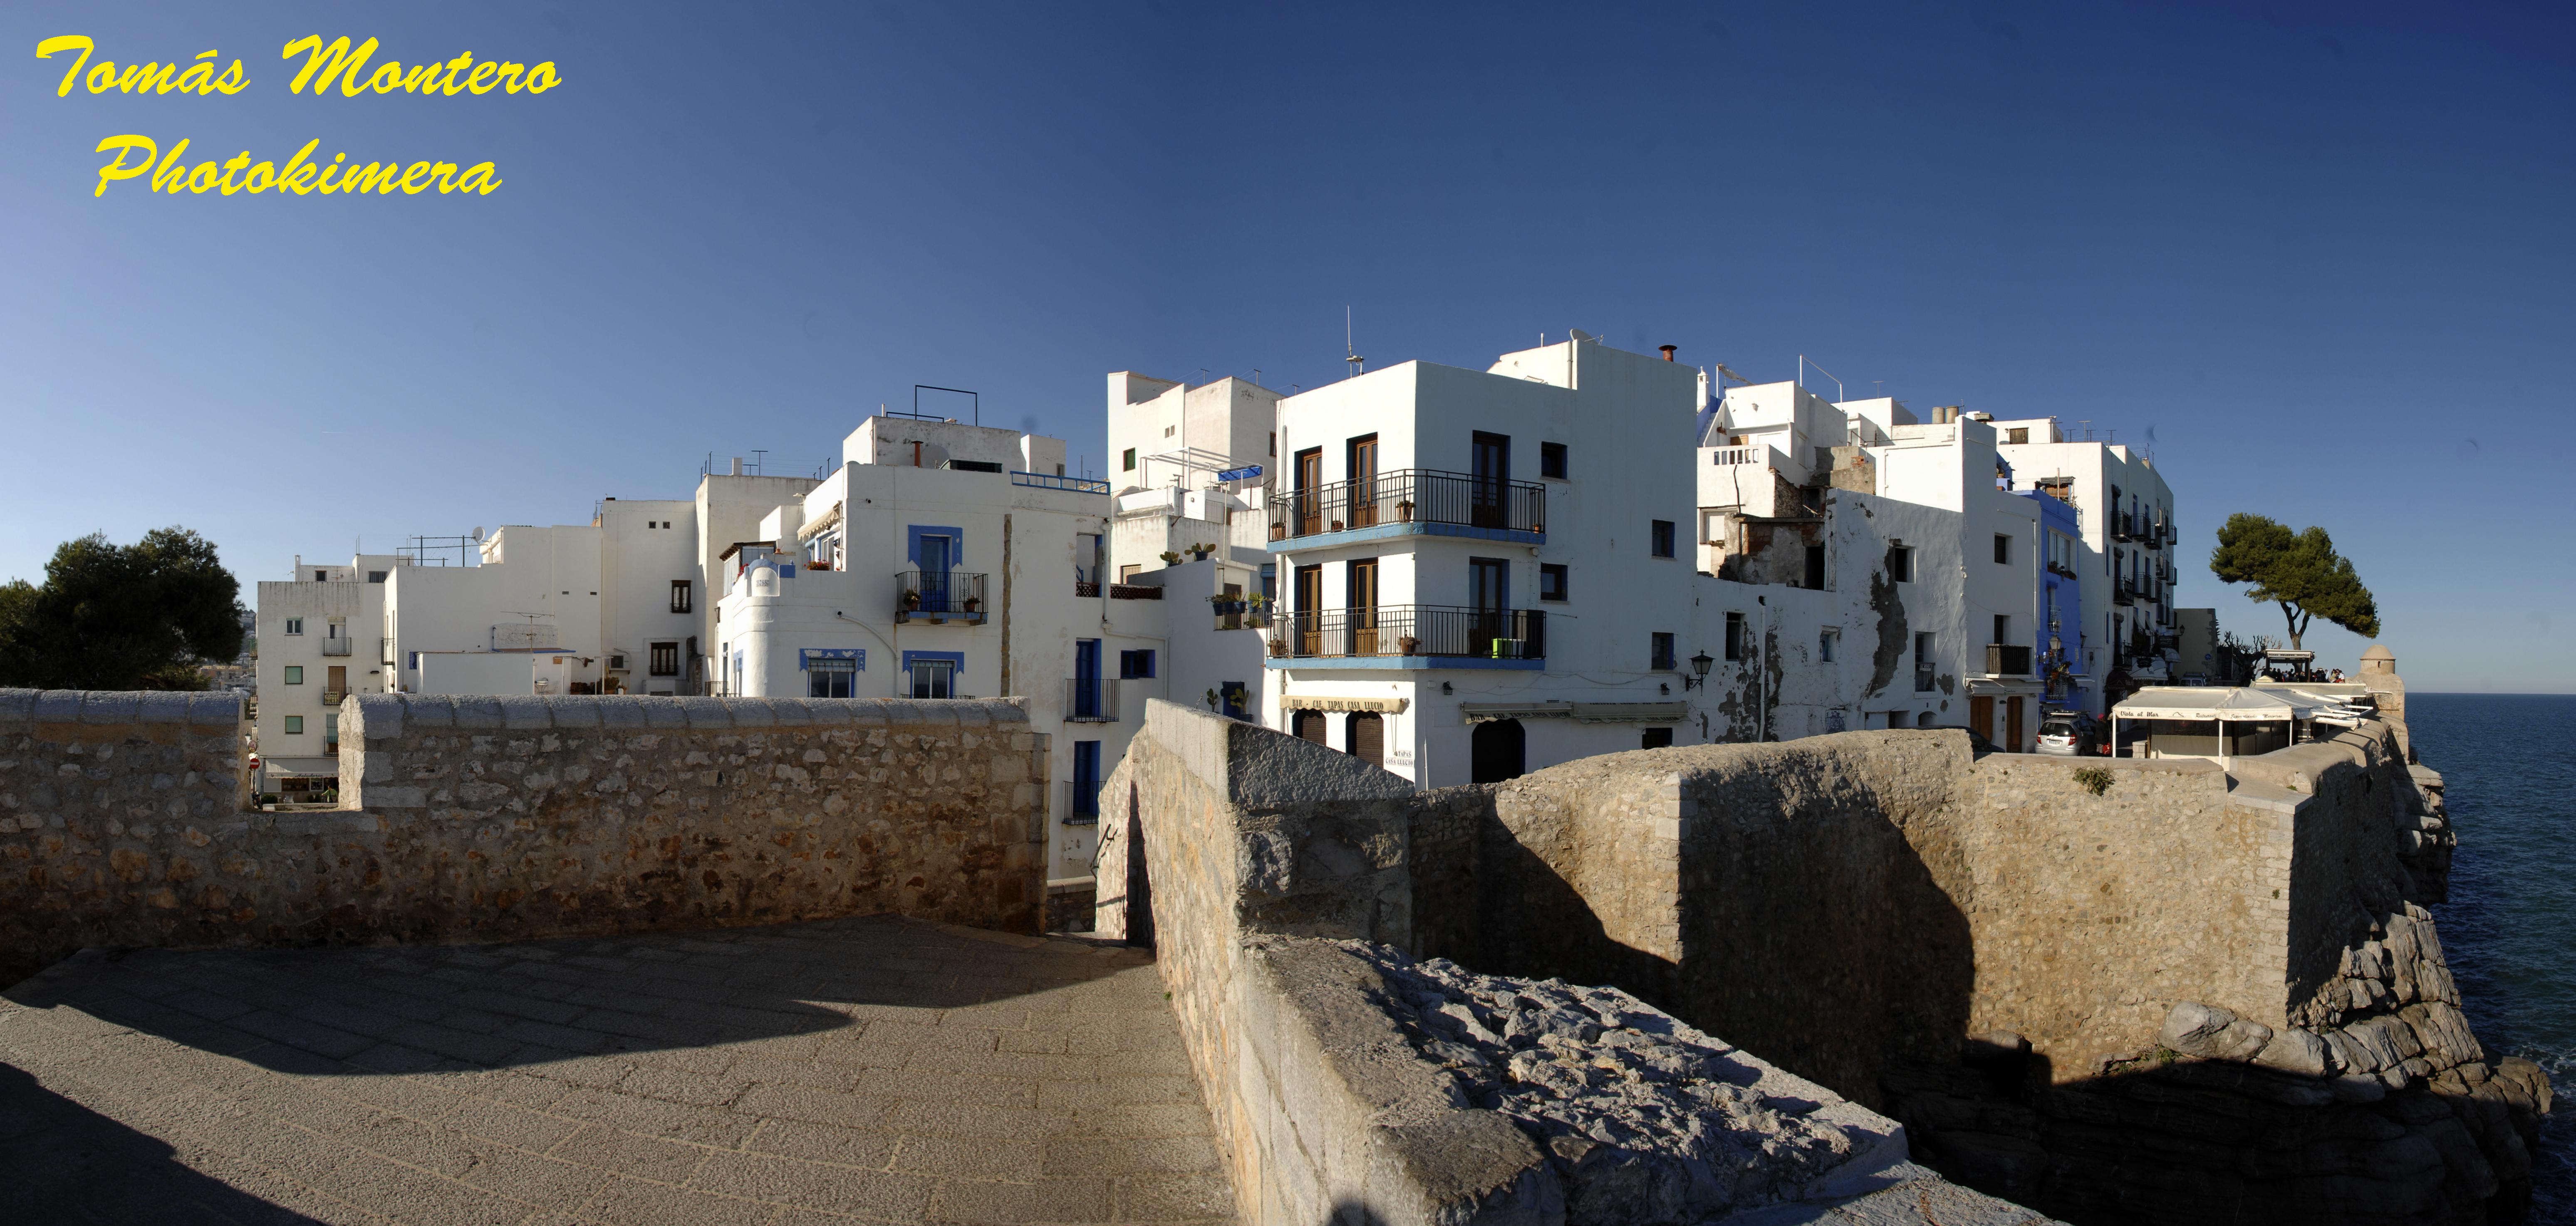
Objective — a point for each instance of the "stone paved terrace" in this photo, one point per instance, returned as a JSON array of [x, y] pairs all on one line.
[[879, 1070]]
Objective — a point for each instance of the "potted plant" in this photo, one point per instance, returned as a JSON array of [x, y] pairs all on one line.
[[1279, 647], [911, 600], [974, 604], [1337, 525], [1170, 558], [1404, 511], [1202, 551], [1406, 644], [1278, 531]]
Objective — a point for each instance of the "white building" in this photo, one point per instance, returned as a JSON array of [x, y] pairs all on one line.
[[320, 637]]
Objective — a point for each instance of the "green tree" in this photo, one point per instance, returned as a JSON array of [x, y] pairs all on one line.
[[121, 617], [2300, 571]]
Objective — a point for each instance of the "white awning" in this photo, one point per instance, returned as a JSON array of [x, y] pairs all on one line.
[[830, 519], [1580, 712], [1313, 702], [2202, 702]]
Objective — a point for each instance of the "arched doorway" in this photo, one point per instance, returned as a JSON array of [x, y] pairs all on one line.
[[1308, 726], [1498, 750], [1367, 738]]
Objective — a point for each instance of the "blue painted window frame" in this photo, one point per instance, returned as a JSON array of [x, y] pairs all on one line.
[[956, 674]]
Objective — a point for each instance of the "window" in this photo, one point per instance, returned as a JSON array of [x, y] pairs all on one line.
[[1829, 643], [679, 595], [1551, 581], [1134, 664], [616, 662], [2003, 549], [295, 725], [321, 576], [375, 576], [1663, 652], [1660, 538], [1923, 663], [1900, 564], [1551, 460], [934, 678], [2018, 434], [295, 625], [1274, 443], [1127, 460], [830, 678], [1815, 568], [2003, 629], [1127, 574], [1735, 636], [1086, 781], [1270, 585], [295, 674], [666, 660], [331, 729], [1656, 738]]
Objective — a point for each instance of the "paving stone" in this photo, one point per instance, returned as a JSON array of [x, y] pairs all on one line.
[[1052, 1200]]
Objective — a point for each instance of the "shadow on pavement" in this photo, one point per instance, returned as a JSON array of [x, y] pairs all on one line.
[[62, 1162]]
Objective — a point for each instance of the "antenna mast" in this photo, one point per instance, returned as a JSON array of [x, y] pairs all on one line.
[[1359, 365]]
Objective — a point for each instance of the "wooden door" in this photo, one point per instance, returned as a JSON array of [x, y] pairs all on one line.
[[1309, 495], [1491, 474], [1368, 737], [2012, 724], [1363, 606], [1981, 716], [1363, 486], [339, 679], [1310, 611], [1309, 726]]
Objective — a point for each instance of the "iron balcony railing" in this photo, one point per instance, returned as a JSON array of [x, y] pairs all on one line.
[[337, 647], [1411, 630], [1090, 700], [1410, 495], [1081, 801], [938, 596], [331, 698], [2007, 660], [1079, 485]]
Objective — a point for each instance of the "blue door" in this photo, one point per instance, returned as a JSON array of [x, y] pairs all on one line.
[[1086, 779], [1086, 678], [935, 555]]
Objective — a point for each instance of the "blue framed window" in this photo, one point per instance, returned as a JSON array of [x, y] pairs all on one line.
[[1086, 780], [1232, 694], [933, 674], [832, 672], [1134, 664]]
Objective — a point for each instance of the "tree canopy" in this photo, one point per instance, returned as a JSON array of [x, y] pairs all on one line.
[[121, 617], [2300, 571]]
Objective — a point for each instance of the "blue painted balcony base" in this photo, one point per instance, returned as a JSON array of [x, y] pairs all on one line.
[[1380, 532], [1529, 666]]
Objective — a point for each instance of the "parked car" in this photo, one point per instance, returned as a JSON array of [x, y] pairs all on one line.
[[2069, 734]]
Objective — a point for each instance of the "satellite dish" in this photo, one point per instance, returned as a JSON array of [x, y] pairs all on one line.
[[478, 532], [1581, 335]]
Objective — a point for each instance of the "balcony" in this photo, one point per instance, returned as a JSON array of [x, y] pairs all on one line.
[[1081, 801], [331, 698], [2007, 660], [1079, 485], [2125, 592], [337, 647], [939, 597], [1411, 636], [1409, 502], [1240, 613], [1085, 587], [1090, 700]]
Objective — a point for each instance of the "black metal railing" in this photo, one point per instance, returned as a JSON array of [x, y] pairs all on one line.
[[2007, 660], [1411, 630], [1085, 587], [1410, 495], [1043, 481], [939, 595], [1090, 700], [2125, 593]]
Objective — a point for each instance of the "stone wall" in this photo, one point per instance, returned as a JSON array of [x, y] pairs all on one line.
[[1335, 1098], [514, 818]]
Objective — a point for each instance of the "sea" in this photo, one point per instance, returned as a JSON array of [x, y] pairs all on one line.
[[2508, 764]]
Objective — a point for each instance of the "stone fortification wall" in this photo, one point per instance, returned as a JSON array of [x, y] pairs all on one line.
[[492, 819], [1349, 1087]]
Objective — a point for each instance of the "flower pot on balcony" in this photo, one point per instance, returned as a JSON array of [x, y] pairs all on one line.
[[1278, 532], [1278, 647], [1337, 525], [911, 601], [1407, 645], [1404, 512], [974, 604]]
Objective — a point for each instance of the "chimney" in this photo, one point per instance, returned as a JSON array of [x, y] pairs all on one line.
[[737, 466], [1668, 351]]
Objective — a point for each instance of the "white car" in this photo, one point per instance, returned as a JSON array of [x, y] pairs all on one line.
[[2069, 734]]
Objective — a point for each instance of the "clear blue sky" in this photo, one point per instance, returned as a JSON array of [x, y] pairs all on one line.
[[2322, 251]]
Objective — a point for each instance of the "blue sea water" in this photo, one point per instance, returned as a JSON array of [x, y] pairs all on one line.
[[2508, 765]]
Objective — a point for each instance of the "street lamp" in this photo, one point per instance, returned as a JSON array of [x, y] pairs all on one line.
[[1699, 669]]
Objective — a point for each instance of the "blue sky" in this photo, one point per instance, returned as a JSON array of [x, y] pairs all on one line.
[[2321, 251]]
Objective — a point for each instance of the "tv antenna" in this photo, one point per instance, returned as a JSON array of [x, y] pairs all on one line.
[[1359, 365]]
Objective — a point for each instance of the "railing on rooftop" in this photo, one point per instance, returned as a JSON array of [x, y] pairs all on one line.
[[1410, 495], [1134, 591], [938, 596], [1411, 630], [1085, 587], [1079, 485]]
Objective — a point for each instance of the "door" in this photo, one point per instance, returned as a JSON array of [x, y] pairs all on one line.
[[1086, 780], [1309, 726], [1981, 716], [1086, 686], [1497, 751], [1489, 595], [1492, 473], [2012, 724], [1310, 611], [1310, 487], [1368, 737], [1363, 607], [935, 555], [1363, 487], [339, 679]]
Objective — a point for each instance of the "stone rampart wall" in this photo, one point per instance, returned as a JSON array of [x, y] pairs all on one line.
[[513, 818]]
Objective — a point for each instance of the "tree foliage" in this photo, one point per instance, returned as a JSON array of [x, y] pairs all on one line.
[[121, 617], [2300, 571]]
